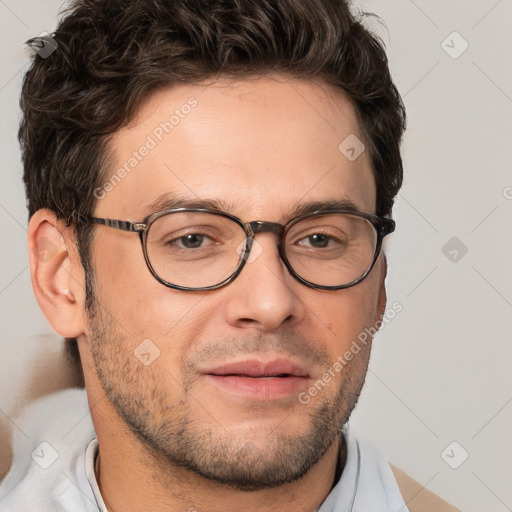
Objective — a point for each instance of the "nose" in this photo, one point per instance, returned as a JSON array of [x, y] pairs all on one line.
[[264, 294]]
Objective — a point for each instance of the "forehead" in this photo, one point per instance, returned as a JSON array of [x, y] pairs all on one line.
[[261, 147]]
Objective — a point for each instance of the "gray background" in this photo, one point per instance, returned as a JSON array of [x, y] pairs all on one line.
[[440, 371]]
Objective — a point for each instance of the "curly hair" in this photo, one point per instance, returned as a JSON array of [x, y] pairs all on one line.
[[112, 53]]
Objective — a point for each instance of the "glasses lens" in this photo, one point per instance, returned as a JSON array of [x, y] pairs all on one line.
[[332, 249], [194, 249]]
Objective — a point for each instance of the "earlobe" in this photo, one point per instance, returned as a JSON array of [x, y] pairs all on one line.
[[56, 273]]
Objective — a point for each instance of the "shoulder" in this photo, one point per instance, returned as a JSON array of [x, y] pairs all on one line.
[[48, 469], [46, 421], [417, 497]]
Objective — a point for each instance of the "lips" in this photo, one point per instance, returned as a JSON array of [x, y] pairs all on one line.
[[259, 380], [259, 370]]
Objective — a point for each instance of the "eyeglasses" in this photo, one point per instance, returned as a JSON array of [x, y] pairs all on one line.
[[196, 249]]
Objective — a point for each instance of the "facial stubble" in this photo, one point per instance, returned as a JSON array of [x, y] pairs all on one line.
[[159, 408]]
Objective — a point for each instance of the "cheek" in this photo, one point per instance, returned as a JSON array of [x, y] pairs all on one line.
[[140, 305], [343, 316]]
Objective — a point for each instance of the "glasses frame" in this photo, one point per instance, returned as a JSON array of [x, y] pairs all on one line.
[[382, 226]]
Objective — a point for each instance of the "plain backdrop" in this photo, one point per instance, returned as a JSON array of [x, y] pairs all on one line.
[[438, 397]]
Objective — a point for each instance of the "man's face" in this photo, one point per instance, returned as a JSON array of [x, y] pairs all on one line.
[[212, 401]]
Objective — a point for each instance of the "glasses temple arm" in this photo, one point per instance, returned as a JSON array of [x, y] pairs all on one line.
[[123, 225]]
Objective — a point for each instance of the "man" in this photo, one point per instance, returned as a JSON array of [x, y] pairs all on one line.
[[209, 186]]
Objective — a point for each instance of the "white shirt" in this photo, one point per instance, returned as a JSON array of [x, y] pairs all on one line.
[[54, 448]]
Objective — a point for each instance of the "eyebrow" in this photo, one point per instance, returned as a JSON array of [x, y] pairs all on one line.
[[170, 201], [328, 204]]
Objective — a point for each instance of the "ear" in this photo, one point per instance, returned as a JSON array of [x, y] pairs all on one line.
[[382, 298], [57, 274]]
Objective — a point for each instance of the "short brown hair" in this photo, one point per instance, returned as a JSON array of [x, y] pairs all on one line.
[[112, 53]]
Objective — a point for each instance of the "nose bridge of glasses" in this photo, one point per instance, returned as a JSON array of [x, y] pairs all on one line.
[[261, 226]]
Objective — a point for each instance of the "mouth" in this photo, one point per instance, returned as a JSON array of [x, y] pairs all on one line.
[[259, 369], [266, 380]]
